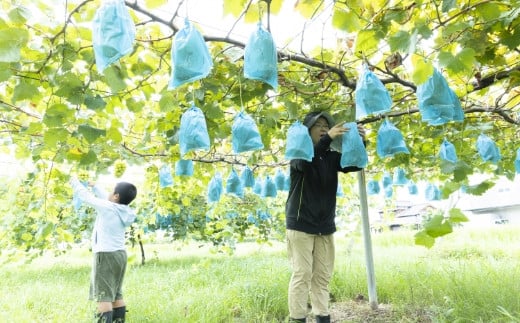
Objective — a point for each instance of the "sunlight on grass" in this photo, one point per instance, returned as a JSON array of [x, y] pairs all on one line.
[[469, 276]]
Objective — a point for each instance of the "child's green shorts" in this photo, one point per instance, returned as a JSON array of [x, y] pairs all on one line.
[[108, 271]]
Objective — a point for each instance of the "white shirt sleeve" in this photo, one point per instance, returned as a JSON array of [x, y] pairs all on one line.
[[88, 197]]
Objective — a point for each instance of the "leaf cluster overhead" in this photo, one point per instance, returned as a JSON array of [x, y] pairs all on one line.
[[56, 108]]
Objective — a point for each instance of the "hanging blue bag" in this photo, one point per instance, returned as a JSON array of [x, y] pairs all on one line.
[[190, 56], [412, 188], [263, 215], [458, 113], [339, 191], [279, 179], [435, 100], [373, 187], [400, 177], [215, 188], [165, 176], [234, 184], [287, 183], [231, 215], [193, 133], [299, 143], [389, 140], [389, 192], [488, 149], [432, 192], [372, 97], [517, 161], [387, 180], [163, 221], [251, 219], [245, 134], [257, 188], [113, 33], [269, 187], [247, 177], [184, 167], [260, 58], [447, 151], [353, 152]]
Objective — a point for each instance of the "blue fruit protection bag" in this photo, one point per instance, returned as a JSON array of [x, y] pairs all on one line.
[[373, 187], [387, 180], [372, 97], [260, 58], [487, 149], [287, 183], [432, 192], [436, 102], [269, 187], [190, 56], [215, 188], [257, 188], [389, 140], [447, 151], [163, 221], [412, 188], [184, 167], [339, 191], [299, 143], [113, 33], [389, 192], [244, 134], [517, 161], [251, 219], [279, 179], [400, 177], [458, 113], [193, 133], [247, 177], [165, 176], [234, 184], [353, 152]]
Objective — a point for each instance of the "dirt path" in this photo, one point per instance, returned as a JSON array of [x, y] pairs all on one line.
[[359, 311]]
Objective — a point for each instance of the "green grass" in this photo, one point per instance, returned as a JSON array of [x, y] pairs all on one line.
[[469, 276]]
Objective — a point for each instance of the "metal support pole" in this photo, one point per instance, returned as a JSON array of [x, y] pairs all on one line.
[[371, 278]]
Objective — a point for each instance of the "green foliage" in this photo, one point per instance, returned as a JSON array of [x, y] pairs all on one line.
[[437, 225], [346, 20], [43, 226], [400, 42], [58, 111], [11, 42], [234, 220], [308, 8], [462, 62], [367, 41]]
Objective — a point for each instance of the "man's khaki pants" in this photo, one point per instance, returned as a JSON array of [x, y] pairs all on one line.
[[312, 261]]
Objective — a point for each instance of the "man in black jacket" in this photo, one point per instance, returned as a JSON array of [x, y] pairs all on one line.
[[310, 219]]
